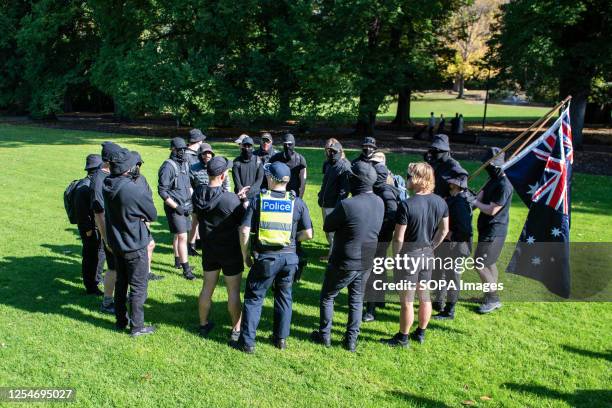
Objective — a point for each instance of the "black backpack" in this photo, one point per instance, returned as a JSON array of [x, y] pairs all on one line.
[[69, 198]]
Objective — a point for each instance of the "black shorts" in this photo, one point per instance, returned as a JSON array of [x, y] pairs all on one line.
[[423, 273], [178, 224], [230, 266], [110, 259], [489, 249]]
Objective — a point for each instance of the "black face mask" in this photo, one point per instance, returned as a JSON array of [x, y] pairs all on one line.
[[179, 155], [288, 150], [333, 156], [368, 151], [246, 153], [439, 155], [494, 172]]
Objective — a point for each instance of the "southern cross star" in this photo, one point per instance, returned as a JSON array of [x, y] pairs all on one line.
[[530, 239], [536, 260], [555, 232]]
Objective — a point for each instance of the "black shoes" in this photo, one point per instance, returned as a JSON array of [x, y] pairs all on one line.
[[191, 250], [399, 340], [280, 344], [418, 335], [437, 306], [177, 262], [154, 277], [447, 314], [206, 329], [368, 317], [188, 274], [143, 331], [242, 347], [349, 345], [317, 337], [95, 292]]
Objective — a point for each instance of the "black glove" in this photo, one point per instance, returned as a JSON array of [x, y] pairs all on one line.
[[470, 196]]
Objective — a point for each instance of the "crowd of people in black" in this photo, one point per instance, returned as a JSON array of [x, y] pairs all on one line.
[[263, 221]]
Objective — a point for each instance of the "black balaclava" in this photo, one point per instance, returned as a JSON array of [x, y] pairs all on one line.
[[288, 150], [439, 155], [178, 155], [333, 156], [246, 152], [368, 151], [494, 171]]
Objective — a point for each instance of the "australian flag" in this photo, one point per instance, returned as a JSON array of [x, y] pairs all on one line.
[[541, 175]]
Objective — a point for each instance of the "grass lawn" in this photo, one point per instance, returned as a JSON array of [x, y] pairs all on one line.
[[447, 104], [51, 335]]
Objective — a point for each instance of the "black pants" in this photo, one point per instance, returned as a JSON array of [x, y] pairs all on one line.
[[279, 269], [335, 280], [454, 250], [93, 257], [132, 271]]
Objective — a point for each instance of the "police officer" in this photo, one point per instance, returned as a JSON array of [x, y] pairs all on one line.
[[274, 221], [494, 204], [335, 185], [196, 137], [356, 222], [266, 148], [175, 189], [93, 249], [297, 183], [247, 170], [129, 208], [219, 214], [97, 206]]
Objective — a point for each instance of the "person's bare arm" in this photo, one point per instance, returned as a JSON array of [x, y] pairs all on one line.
[[100, 223], [398, 238], [245, 240], [170, 202], [440, 232], [304, 235], [303, 176]]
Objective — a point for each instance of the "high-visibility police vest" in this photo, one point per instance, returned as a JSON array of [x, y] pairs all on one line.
[[275, 219]]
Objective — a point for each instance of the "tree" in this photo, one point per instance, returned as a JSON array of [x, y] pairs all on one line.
[[468, 33], [564, 44]]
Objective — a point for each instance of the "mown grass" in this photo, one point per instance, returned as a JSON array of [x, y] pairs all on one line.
[[473, 111], [51, 335]]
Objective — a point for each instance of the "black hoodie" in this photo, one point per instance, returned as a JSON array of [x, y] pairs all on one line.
[[389, 194], [219, 214], [248, 172], [128, 204], [335, 185], [444, 169]]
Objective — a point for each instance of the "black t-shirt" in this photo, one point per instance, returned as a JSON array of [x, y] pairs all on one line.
[[219, 214], [499, 191], [301, 222], [421, 213], [460, 218], [296, 163]]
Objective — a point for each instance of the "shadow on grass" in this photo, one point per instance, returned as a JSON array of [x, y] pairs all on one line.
[[579, 398], [605, 355]]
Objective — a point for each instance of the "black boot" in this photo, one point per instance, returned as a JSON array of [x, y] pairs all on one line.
[[368, 314], [191, 250], [447, 314], [437, 306]]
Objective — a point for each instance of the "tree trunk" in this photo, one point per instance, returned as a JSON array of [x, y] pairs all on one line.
[[577, 110], [284, 108], [402, 115], [460, 86]]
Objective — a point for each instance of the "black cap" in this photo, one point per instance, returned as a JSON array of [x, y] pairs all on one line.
[[369, 141], [288, 138], [109, 148], [440, 142], [217, 166], [205, 147], [178, 143], [492, 151], [458, 180], [196, 135], [121, 161], [364, 171], [279, 171], [139, 160], [93, 161], [266, 136], [247, 140]]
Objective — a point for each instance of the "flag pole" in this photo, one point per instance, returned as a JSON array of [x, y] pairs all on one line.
[[534, 133], [538, 122]]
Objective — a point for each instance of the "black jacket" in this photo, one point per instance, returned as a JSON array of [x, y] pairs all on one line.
[[82, 204], [173, 184], [248, 173], [97, 185], [389, 195], [335, 185], [219, 214], [128, 204], [356, 222], [460, 218]]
